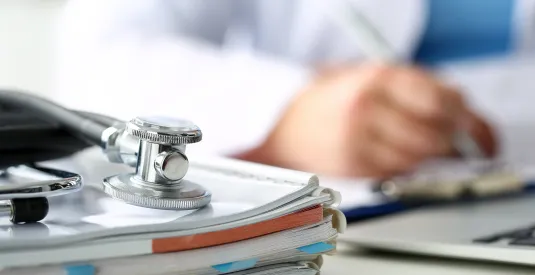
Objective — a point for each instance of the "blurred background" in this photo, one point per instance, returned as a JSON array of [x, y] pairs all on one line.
[[28, 29], [29, 38]]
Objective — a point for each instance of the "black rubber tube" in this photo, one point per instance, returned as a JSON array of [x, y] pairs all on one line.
[[99, 118], [73, 122]]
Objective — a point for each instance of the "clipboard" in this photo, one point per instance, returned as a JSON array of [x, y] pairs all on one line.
[[438, 182]]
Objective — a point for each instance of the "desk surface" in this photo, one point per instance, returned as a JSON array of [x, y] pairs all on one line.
[[350, 260]]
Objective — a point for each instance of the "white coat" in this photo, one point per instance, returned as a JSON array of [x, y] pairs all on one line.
[[231, 66]]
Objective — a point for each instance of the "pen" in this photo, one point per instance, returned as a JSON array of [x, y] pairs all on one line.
[[376, 47]]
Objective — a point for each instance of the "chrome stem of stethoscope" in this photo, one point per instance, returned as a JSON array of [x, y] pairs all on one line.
[[5, 208]]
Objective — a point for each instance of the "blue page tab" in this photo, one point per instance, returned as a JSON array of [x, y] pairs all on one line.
[[80, 270], [316, 248], [235, 266]]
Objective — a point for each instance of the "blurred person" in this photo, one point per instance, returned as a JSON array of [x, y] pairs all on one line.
[[277, 82]]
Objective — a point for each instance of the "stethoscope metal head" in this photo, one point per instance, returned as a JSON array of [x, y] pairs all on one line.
[[156, 147]]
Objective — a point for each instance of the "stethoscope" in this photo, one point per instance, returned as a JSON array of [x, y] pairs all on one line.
[[154, 146]]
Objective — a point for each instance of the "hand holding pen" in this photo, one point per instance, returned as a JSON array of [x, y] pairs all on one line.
[[375, 47], [373, 119]]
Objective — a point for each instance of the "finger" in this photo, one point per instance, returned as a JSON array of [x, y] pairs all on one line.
[[484, 134], [402, 130], [383, 160], [419, 93]]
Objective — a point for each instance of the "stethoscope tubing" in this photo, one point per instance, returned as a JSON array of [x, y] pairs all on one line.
[[85, 125]]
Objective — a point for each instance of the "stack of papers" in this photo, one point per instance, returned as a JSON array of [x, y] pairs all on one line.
[[262, 220]]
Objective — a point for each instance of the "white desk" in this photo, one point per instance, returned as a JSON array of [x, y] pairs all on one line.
[[352, 261]]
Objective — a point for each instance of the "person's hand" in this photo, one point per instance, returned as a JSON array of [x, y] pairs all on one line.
[[371, 121]]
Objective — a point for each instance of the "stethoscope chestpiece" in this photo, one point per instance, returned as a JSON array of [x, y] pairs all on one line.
[[161, 166]]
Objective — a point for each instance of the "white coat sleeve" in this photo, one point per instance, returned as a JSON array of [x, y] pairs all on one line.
[[128, 57]]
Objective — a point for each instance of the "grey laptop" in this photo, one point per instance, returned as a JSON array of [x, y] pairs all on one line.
[[496, 230]]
